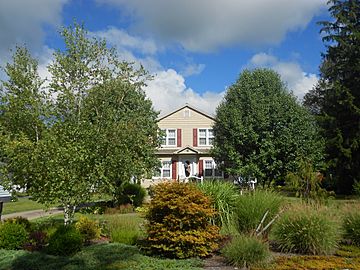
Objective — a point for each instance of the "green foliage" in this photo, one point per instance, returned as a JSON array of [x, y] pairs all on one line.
[[335, 100], [99, 132], [112, 256], [13, 235], [22, 221], [224, 197], [246, 251], [260, 129], [251, 207], [125, 229], [306, 231], [65, 241], [178, 222], [88, 228], [131, 194], [356, 188], [352, 227], [307, 182]]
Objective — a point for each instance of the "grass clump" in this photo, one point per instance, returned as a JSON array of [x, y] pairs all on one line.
[[224, 196], [178, 222], [351, 227], [251, 207], [246, 251], [306, 231], [125, 228]]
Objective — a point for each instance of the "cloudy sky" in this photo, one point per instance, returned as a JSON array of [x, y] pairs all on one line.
[[194, 48]]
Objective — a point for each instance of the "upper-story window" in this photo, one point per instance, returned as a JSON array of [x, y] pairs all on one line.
[[206, 137], [169, 138]]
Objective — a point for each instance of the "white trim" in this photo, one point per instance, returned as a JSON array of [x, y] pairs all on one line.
[[163, 168], [166, 130], [207, 136], [213, 169]]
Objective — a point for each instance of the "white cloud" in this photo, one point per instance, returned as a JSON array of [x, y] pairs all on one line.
[[22, 23], [132, 48], [168, 91], [205, 25], [192, 69], [297, 80]]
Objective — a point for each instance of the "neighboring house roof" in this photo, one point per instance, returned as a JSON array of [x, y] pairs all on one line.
[[187, 106]]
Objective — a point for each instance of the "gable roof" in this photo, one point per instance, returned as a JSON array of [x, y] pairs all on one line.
[[187, 105]]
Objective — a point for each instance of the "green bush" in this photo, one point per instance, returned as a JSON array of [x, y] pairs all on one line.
[[88, 228], [246, 251], [306, 231], [133, 194], [13, 235], [352, 227], [251, 207], [178, 222], [66, 240], [22, 221], [224, 196]]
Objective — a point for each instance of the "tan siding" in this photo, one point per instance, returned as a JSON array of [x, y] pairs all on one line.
[[178, 120]]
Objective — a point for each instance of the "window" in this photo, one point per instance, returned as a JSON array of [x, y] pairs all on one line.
[[186, 113], [206, 136], [164, 171], [211, 169], [169, 138]]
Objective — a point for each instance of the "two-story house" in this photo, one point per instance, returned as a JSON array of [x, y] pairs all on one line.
[[185, 147]]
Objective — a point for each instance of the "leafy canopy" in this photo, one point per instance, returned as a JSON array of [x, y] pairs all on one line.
[[260, 129]]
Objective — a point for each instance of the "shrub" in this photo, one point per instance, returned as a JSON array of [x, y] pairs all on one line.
[[246, 251], [133, 194], [251, 207], [37, 241], [352, 227], [224, 196], [13, 235], [306, 231], [178, 222], [66, 240], [88, 228], [121, 209], [22, 221]]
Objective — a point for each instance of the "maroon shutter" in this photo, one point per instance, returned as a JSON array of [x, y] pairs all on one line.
[[179, 137], [173, 169], [201, 167], [195, 139]]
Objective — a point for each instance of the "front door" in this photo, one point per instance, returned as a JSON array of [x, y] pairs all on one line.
[[187, 166]]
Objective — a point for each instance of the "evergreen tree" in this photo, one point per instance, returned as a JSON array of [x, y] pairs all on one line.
[[336, 98]]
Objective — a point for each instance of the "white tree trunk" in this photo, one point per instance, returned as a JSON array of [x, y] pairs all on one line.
[[69, 212]]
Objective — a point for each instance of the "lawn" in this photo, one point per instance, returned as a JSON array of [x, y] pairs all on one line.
[[100, 256], [22, 205]]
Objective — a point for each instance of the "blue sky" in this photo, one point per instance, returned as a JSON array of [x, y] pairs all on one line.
[[194, 48]]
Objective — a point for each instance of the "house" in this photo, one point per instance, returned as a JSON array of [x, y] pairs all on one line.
[[185, 147]]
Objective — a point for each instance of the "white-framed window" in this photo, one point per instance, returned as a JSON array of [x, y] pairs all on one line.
[[169, 138], [187, 113], [205, 137], [211, 170], [164, 171]]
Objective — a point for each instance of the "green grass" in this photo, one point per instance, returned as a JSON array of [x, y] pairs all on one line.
[[22, 205], [112, 256]]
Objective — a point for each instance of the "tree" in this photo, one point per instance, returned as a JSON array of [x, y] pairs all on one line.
[[336, 99], [23, 110], [101, 129], [260, 129]]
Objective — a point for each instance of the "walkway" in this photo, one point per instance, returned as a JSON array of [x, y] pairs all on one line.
[[33, 214]]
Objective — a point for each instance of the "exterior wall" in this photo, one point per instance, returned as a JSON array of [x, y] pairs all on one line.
[[178, 120]]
